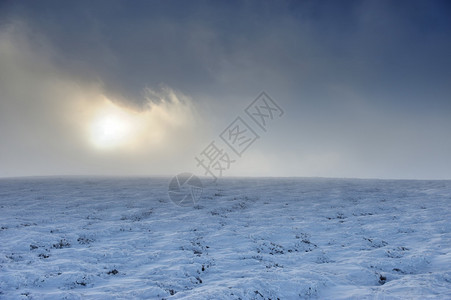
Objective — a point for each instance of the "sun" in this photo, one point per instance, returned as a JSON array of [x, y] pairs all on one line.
[[112, 126], [110, 131]]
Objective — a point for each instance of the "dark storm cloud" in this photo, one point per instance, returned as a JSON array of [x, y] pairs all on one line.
[[362, 81], [199, 46]]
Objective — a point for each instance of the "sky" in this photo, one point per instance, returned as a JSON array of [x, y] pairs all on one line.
[[142, 88]]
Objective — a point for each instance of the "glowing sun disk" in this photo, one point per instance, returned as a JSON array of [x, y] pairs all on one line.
[[112, 126], [110, 131]]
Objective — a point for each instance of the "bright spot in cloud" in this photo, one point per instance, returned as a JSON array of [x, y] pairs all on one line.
[[113, 126], [110, 131]]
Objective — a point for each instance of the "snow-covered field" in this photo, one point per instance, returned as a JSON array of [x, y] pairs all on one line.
[[106, 238]]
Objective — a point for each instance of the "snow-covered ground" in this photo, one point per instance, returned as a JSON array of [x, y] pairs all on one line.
[[104, 238]]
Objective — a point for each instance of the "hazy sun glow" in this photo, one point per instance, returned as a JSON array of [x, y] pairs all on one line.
[[110, 131], [113, 126]]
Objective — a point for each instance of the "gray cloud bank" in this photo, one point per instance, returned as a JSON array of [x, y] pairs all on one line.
[[366, 84]]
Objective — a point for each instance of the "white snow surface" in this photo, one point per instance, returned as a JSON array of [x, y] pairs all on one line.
[[247, 238]]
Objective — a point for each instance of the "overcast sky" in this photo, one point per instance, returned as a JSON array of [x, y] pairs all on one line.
[[365, 86]]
